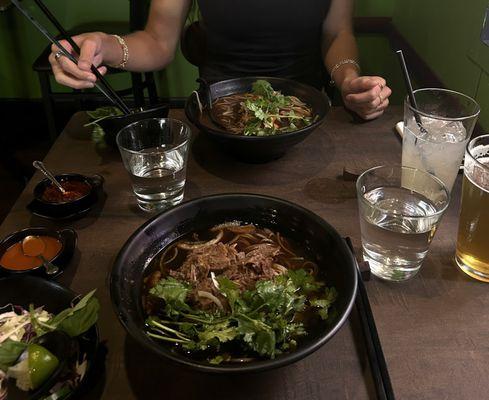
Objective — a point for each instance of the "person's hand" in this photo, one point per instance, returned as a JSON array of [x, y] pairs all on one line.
[[79, 76], [367, 96]]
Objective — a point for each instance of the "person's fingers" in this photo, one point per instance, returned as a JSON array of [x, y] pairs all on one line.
[[87, 54], [63, 43], [382, 106], [386, 92], [373, 115], [369, 96], [365, 83], [102, 70], [72, 69], [64, 79]]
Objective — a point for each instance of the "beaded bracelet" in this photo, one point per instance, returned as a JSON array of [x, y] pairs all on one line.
[[125, 52], [338, 65]]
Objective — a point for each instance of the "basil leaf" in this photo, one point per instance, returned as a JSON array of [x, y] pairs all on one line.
[[10, 351], [56, 320], [81, 320]]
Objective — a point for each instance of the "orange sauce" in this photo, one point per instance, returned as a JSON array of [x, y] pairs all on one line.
[[15, 259]]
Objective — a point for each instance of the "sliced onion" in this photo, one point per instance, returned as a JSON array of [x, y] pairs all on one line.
[[162, 259], [210, 296], [214, 280], [199, 245]]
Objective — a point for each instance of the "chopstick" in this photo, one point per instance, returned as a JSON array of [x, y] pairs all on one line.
[[378, 365], [102, 85]]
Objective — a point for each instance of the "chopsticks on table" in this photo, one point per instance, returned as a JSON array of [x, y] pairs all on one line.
[[378, 365], [101, 84]]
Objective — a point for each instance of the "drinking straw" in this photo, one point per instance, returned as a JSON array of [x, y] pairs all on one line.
[[409, 87]]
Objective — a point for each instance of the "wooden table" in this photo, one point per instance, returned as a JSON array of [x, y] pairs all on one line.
[[434, 328]]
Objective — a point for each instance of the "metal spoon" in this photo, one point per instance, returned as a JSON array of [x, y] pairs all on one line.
[[33, 246], [40, 166]]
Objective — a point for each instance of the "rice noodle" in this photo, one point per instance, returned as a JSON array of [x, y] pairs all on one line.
[[280, 242]]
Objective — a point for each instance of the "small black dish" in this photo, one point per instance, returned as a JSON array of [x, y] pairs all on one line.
[[67, 236], [113, 125], [25, 290], [254, 149], [321, 239], [66, 210]]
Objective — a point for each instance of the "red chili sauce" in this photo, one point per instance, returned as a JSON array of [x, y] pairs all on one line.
[[74, 190], [15, 259]]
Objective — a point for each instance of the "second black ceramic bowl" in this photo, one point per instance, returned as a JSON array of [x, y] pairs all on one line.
[[321, 239], [255, 149], [113, 125], [66, 236]]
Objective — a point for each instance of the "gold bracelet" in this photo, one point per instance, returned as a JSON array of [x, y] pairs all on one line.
[[338, 65], [125, 52]]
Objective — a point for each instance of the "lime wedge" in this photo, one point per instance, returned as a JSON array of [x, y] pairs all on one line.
[[42, 363]]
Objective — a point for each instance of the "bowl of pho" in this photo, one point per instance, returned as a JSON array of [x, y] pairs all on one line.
[[234, 283], [257, 119]]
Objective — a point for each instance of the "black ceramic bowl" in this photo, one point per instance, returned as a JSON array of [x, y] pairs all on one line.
[[113, 125], [66, 236], [25, 290], [93, 182], [332, 255], [255, 149]]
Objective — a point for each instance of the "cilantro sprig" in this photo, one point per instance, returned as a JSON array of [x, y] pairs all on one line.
[[262, 320]]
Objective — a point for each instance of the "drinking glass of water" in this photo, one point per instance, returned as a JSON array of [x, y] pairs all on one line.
[[437, 131], [154, 152], [400, 208]]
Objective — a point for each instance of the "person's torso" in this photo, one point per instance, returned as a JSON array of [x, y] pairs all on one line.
[[264, 37]]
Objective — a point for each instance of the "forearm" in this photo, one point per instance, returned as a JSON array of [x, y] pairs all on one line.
[[145, 53], [341, 47]]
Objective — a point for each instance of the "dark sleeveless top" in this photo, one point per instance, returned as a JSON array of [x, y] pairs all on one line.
[[280, 38]]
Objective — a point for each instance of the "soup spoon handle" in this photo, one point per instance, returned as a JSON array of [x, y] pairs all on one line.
[[40, 166], [51, 269]]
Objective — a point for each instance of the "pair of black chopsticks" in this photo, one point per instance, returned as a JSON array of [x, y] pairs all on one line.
[[101, 84], [380, 373]]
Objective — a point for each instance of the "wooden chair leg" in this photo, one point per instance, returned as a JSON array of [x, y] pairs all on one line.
[[48, 104], [149, 81], [138, 89]]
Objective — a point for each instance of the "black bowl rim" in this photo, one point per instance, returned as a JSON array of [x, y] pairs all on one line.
[[238, 369], [85, 178], [39, 230], [40, 281], [144, 111], [221, 133]]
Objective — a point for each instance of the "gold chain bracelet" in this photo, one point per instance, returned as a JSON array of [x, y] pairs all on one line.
[[125, 52], [338, 65]]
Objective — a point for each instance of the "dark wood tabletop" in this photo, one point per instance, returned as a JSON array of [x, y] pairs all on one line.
[[434, 328]]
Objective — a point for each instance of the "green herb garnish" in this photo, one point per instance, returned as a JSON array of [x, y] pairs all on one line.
[[273, 113], [261, 321]]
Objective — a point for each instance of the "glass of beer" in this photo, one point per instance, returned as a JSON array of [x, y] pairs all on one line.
[[472, 254]]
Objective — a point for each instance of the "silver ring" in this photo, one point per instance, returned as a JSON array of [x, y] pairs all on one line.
[[58, 55]]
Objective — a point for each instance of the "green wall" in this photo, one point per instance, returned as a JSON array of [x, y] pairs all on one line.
[[445, 33], [21, 44]]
